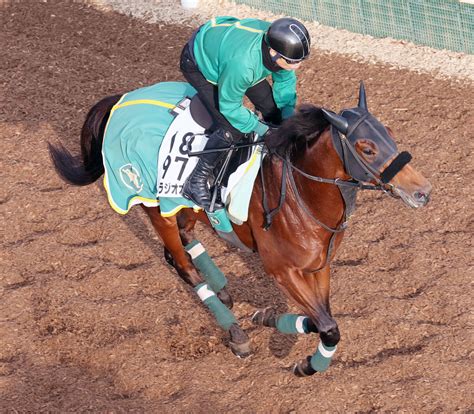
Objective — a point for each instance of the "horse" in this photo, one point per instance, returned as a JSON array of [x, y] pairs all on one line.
[[310, 177]]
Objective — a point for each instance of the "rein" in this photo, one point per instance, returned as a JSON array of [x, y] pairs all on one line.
[[287, 165]]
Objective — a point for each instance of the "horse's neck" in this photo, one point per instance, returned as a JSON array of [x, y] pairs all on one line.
[[320, 159]]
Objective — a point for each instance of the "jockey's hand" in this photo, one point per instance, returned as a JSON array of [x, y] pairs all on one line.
[[270, 136], [287, 112], [261, 129], [273, 139]]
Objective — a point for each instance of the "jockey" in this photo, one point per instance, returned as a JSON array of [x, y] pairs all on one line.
[[227, 58]]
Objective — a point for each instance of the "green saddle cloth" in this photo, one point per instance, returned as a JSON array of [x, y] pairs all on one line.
[[133, 135]]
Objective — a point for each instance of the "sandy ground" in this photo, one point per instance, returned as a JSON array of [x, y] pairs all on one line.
[[93, 320]]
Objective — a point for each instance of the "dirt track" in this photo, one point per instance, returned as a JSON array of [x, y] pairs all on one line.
[[93, 320]]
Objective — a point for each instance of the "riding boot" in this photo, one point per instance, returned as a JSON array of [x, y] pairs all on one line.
[[196, 187]]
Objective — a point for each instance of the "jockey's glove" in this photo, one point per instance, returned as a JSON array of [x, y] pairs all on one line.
[[273, 139], [261, 129], [287, 111]]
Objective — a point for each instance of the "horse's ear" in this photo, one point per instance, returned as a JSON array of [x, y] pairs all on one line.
[[362, 97], [339, 122]]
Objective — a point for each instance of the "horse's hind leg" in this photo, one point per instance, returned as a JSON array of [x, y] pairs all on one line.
[[222, 294], [201, 260], [167, 229]]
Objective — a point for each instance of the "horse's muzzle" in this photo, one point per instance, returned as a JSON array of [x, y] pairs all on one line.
[[416, 198], [421, 197]]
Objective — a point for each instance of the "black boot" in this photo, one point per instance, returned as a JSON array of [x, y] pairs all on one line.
[[196, 187]]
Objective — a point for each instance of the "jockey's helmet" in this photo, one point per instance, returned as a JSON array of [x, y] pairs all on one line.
[[289, 38]]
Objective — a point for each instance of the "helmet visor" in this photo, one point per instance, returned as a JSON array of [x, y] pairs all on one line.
[[288, 60]]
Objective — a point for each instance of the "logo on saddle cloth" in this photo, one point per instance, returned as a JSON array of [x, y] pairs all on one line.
[[214, 221], [131, 177]]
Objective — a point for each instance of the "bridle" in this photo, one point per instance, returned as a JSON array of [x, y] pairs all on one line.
[[343, 131], [287, 170]]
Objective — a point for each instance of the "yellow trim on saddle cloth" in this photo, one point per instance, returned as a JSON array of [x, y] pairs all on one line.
[[148, 202], [110, 117], [136, 199], [214, 23], [252, 161], [178, 209], [119, 105], [141, 102]]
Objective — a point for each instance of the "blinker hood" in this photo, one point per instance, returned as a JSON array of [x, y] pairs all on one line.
[[358, 124]]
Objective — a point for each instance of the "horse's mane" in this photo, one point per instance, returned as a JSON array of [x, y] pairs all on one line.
[[306, 124]]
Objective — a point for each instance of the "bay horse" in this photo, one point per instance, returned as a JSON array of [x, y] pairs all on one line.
[[310, 180]]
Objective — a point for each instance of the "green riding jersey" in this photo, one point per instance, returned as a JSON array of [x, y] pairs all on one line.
[[228, 52]]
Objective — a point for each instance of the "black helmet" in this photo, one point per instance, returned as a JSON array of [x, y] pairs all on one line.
[[289, 38]]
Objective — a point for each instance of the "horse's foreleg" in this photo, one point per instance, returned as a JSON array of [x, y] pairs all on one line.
[[167, 229], [287, 323], [311, 293], [328, 331]]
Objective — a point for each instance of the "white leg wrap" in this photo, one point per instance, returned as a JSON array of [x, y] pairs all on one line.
[[299, 324], [204, 292], [324, 352], [196, 251]]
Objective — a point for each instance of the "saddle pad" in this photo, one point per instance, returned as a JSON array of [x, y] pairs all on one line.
[[145, 153], [174, 164], [134, 133]]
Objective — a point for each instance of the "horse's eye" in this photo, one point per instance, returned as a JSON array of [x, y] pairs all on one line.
[[366, 148]]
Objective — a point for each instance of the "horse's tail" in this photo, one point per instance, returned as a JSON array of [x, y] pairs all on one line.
[[88, 167]]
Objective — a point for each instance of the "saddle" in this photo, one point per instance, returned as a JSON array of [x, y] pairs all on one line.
[[240, 154]]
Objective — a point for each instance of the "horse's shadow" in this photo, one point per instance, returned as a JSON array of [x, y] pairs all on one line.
[[260, 293]]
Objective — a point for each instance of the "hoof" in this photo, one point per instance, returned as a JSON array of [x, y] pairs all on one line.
[[239, 342], [240, 350], [169, 258], [303, 368], [225, 298], [264, 317]]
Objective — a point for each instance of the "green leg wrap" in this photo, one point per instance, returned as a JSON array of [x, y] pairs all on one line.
[[289, 323], [225, 318], [322, 358], [206, 266]]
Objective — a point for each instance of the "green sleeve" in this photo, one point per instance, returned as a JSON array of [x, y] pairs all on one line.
[[234, 80], [284, 88]]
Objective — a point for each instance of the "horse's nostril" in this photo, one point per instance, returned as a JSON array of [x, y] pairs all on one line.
[[420, 196]]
